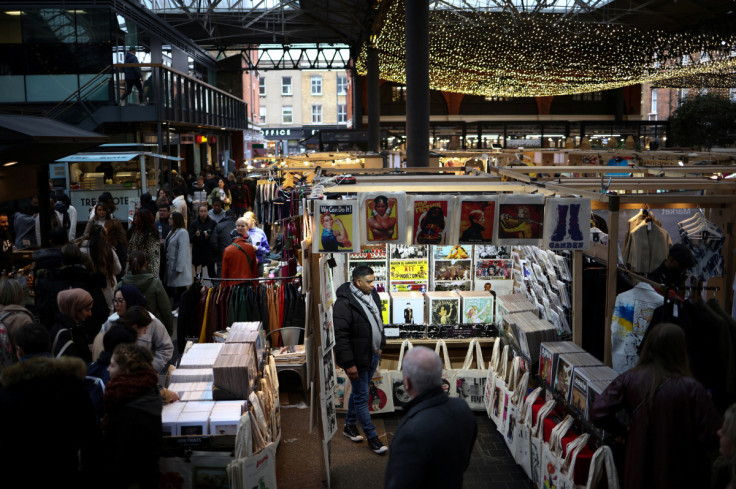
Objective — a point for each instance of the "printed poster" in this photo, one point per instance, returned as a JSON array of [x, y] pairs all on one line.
[[477, 220], [328, 330], [444, 311], [336, 226], [431, 218], [477, 310], [521, 220], [567, 224], [413, 270], [383, 217], [328, 289]]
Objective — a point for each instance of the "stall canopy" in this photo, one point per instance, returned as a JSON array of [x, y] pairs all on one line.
[[30, 140]]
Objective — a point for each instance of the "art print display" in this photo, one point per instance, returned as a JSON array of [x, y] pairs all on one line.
[[383, 217], [431, 218], [328, 330], [477, 308], [407, 308], [326, 284], [329, 415], [443, 308], [336, 226], [521, 219], [567, 224], [327, 373], [477, 220]]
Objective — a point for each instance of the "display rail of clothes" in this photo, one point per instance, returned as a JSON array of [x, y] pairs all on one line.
[[274, 301]]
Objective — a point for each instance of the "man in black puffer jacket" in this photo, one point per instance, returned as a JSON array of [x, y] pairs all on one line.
[[359, 341]]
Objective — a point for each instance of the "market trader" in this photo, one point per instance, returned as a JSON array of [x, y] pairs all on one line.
[[435, 438], [359, 340]]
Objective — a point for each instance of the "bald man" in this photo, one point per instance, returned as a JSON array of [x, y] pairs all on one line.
[[434, 441]]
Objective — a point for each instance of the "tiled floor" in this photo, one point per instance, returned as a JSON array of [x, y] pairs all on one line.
[[299, 463]]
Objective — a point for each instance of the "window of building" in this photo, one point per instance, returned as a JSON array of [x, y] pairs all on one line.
[[588, 97], [316, 85], [262, 86], [285, 85], [398, 94], [342, 85], [316, 114], [654, 101], [342, 114], [262, 115], [287, 114]]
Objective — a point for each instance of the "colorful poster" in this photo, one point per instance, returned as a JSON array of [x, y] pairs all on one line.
[[409, 270], [477, 220], [383, 217], [336, 226], [521, 219], [488, 269], [431, 218], [477, 310], [328, 289], [567, 224]]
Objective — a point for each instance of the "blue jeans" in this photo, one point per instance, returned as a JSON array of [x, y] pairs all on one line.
[[358, 403]]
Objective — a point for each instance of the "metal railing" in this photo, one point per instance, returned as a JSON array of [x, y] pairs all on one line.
[[175, 97]]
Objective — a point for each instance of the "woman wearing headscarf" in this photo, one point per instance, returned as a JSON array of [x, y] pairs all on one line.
[[155, 337], [68, 336], [132, 422]]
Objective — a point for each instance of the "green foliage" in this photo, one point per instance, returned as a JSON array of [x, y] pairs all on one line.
[[705, 120]]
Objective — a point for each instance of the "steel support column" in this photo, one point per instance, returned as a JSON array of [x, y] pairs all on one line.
[[374, 101], [417, 83]]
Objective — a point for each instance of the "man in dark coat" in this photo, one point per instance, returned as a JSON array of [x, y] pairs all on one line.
[[70, 435], [435, 438], [359, 341], [133, 75]]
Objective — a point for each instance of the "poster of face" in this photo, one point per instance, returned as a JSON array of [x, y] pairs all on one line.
[[444, 311], [336, 226], [328, 330], [567, 224], [488, 269], [477, 220], [521, 219], [383, 217], [431, 218]]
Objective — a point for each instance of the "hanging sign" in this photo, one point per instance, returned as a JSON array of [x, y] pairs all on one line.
[[336, 226], [521, 220], [383, 217], [477, 218], [567, 224], [431, 218]]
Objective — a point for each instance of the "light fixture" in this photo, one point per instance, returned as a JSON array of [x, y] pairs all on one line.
[[10, 163], [13, 12]]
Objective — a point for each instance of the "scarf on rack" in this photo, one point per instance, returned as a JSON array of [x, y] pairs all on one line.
[[372, 312], [126, 387]]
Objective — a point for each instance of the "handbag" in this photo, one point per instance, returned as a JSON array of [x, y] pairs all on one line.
[[380, 395], [522, 432], [536, 442], [400, 395], [448, 373], [512, 386], [552, 458], [515, 400], [499, 386], [470, 382], [601, 462], [566, 477]]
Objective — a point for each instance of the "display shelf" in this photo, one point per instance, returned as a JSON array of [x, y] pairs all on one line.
[[448, 341]]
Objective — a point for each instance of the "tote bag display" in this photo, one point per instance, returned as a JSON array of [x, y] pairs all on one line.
[[499, 386], [566, 477], [552, 458], [491, 377], [602, 463], [512, 386], [537, 441], [448, 373], [522, 432], [400, 395], [514, 405], [343, 388], [380, 397], [470, 382]]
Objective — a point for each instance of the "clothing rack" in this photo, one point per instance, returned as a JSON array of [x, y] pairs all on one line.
[[259, 279]]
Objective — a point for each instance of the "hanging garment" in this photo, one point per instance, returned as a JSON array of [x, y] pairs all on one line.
[[632, 313], [648, 246], [637, 220], [187, 325], [203, 328], [708, 253], [728, 345]]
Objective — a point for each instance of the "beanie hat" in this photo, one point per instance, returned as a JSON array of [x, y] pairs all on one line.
[[132, 295]]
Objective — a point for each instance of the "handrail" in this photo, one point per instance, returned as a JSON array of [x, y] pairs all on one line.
[[169, 68], [76, 94]]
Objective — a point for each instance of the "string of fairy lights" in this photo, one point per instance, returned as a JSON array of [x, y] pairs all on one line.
[[522, 55]]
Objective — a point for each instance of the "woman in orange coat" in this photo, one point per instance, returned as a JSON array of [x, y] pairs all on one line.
[[239, 259]]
